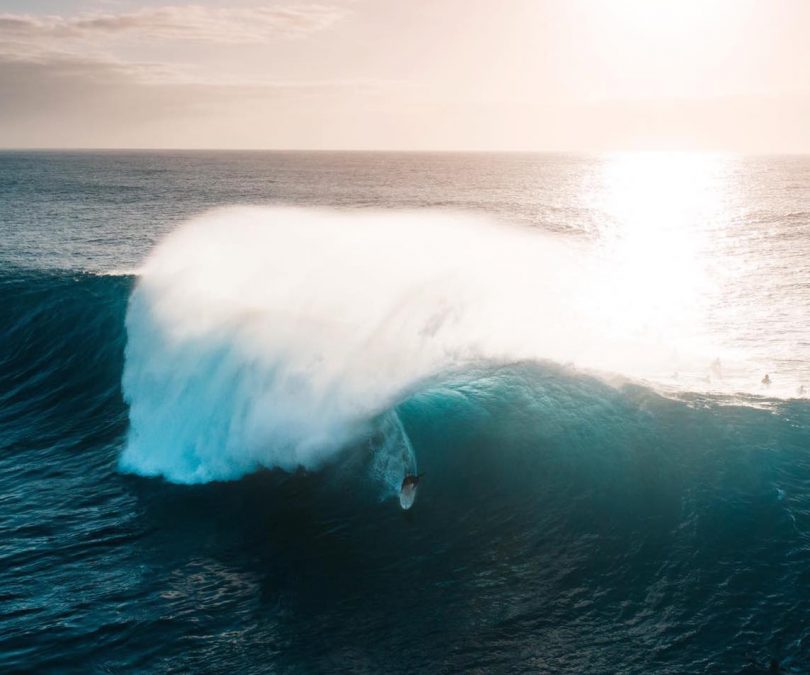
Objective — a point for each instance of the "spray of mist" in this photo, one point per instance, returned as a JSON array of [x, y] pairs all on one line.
[[271, 337]]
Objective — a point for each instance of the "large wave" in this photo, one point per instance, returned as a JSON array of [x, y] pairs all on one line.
[[548, 494], [275, 337]]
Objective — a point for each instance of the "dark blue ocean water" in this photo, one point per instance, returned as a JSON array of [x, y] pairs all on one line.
[[188, 487]]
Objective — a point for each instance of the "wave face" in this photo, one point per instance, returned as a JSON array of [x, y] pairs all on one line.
[[61, 356]]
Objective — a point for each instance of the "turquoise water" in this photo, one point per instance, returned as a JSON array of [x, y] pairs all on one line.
[[204, 415]]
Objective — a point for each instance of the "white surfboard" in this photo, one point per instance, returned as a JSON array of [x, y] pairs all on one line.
[[407, 496]]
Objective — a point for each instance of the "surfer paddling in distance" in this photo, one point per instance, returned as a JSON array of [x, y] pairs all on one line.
[[407, 491]]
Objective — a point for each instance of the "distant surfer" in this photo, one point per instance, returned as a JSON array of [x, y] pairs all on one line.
[[407, 492], [766, 380]]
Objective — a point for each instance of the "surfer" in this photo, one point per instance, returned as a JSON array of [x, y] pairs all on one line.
[[766, 380], [407, 491], [410, 482]]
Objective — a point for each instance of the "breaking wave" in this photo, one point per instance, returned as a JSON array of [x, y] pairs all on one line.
[[261, 337]]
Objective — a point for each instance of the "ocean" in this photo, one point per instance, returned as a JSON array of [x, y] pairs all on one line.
[[216, 368]]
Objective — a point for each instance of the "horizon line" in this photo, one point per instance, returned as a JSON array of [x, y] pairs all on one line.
[[423, 151]]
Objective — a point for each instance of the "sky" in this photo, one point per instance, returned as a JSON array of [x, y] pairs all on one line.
[[525, 75]]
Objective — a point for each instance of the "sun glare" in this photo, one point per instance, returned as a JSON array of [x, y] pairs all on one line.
[[660, 210]]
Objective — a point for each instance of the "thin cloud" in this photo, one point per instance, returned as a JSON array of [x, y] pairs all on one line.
[[63, 79], [175, 22], [64, 100], [66, 65]]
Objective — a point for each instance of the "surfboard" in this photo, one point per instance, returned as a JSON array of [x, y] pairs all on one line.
[[407, 496]]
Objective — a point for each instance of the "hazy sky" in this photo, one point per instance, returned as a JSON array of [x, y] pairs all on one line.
[[407, 74]]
